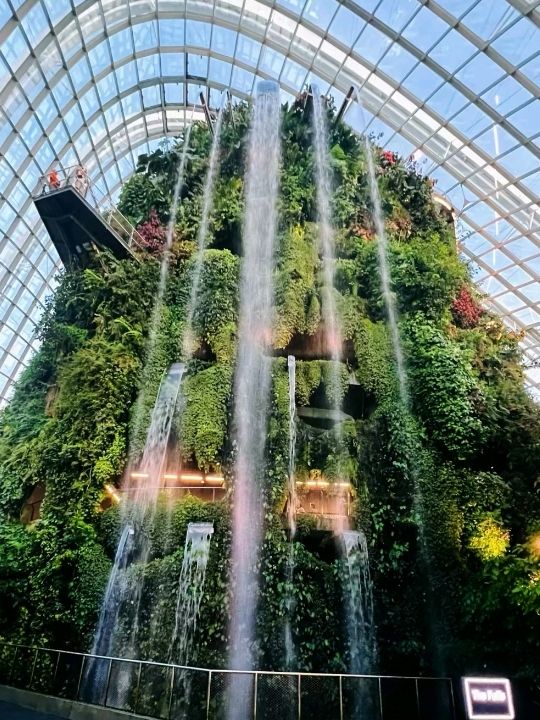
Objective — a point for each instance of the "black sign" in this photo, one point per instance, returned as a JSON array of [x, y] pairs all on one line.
[[488, 699]]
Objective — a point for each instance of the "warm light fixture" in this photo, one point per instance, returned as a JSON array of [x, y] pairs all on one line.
[[534, 544], [111, 491], [192, 477], [139, 475], [322, 484]]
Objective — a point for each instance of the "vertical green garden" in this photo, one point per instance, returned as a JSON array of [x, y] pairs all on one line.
[[446, 490]]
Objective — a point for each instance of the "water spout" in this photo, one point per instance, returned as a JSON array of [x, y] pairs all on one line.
[[190, 593], [190, 589]]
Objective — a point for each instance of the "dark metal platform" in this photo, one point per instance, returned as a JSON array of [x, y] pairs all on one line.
[[77, 229]]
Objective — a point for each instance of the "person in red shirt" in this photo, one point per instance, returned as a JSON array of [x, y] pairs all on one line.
[[54, 180]]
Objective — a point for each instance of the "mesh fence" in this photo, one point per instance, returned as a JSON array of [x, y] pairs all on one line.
[[189, 694], [44, 672], [21, 671], [360, 698], [68, 677], [154, 693], [436, 699], [237, 688], [167, 692], [319, 698], [277, 697], [399, 699], [123, 685], [8, 657], [218, 696]]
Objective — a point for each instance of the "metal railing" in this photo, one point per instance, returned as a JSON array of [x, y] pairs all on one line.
[[208, 492], [167, 691], [70, 177]]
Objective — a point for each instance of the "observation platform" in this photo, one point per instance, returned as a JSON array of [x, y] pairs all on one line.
[[330, 502], [78, 227], [208, 487], [318, 346]]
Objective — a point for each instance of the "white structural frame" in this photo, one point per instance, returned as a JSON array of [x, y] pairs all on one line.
[[97, 81]]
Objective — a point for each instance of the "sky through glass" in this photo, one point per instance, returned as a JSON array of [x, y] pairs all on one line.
[[456, 82]]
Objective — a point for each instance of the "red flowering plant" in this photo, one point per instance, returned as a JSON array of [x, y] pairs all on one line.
[[465, 309], [388, 158], [153, 233]]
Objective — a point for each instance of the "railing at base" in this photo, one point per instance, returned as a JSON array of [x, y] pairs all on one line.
[[166, 691]]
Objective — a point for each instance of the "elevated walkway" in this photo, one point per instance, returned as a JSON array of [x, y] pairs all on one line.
[[80, 220]]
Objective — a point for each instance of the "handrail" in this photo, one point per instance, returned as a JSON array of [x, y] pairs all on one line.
[[109, 681], [68, 177], [222, 670]]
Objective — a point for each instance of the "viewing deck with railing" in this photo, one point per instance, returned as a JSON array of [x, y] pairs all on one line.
[[80, 218]]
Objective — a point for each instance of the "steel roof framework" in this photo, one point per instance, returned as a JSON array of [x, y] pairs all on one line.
[[98, 81]]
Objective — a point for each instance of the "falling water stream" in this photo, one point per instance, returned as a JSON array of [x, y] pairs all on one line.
[[360, 603], [208, 197], [323, 182], [358, 585], [190, 589], [252, 384], [435, 621], [120, 612], [360, 622], [138, 415], [290, 654], [119, 616], [190, 593], [384, 271], [137, 515]]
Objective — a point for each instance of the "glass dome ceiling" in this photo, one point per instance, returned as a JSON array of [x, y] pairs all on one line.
[[456, 82]]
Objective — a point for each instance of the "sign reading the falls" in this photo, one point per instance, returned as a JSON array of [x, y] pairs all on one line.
[[488, 698]]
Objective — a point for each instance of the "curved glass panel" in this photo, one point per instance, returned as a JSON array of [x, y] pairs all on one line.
[[455, 83]]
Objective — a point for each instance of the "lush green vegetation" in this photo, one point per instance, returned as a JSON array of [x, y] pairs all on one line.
[[446, 492]]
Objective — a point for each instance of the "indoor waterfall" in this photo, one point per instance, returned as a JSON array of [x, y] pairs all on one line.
[[384, 271], [354, 543], [326, 233], [144, 484], [252, 383], [190, 593], [292, 501], [157, 310], [360, 622], [359, 603], [190, 589], [118, 619], [435, 621], [208, 198]]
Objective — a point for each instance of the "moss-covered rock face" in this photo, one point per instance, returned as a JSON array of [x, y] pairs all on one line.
[[462, 464]]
